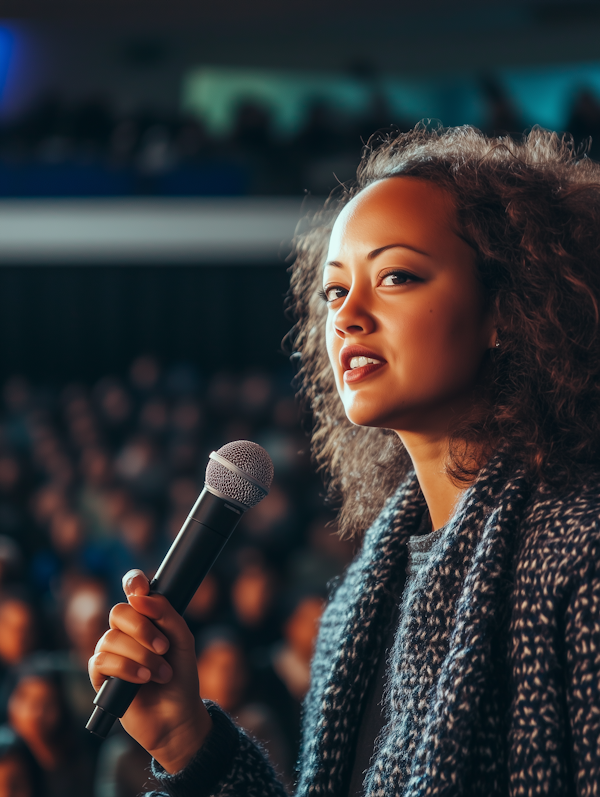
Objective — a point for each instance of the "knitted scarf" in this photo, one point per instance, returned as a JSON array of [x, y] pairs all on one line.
[[446, 730]]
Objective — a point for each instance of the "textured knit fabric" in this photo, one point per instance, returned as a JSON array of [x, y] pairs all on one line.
[[373, 718], [495, 672], [210, 764], [419, 550]]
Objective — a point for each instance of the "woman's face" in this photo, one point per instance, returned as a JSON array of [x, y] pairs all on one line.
[[402, 292], [34, 709]]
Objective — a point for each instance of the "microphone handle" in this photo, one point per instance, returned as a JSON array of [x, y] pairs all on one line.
[[190, 557]]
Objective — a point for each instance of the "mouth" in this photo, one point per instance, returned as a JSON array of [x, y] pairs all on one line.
[[359, 363]]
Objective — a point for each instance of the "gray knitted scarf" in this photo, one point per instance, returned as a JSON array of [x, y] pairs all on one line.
[[445, 718]]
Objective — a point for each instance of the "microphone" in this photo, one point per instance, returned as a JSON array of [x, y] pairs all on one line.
[[238, 476]]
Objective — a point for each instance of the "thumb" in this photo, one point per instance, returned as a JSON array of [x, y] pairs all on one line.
[[135, 582]]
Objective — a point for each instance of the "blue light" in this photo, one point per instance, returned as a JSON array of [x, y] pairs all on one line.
[[6, 49]]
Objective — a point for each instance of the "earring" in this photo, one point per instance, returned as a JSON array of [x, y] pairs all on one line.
[[497, 344]]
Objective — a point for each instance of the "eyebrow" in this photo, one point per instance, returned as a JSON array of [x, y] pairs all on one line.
[[376, 252]]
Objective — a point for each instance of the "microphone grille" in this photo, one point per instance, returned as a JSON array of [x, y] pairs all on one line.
[[253, 461]]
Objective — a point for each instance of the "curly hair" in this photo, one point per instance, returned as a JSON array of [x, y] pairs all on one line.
[[530, 208]]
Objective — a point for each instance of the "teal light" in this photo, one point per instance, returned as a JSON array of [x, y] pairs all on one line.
[[214, 93], [541, 95], [544, 94]]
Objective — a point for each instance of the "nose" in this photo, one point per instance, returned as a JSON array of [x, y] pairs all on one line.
[[353, 317]]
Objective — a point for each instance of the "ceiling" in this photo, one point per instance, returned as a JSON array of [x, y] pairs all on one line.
[[427, 16], [395, 36]]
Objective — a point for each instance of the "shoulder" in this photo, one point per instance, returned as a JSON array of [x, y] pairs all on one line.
[[560, 530]]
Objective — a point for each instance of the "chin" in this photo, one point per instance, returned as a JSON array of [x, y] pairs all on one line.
[[369, 419]]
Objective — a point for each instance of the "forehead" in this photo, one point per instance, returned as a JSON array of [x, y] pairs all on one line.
[[396, 210]]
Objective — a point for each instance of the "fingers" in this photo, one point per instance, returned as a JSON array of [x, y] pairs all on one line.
[[135, 583], [104, 664], [117, 642], [120, 655], [125, 618], [158, 609]]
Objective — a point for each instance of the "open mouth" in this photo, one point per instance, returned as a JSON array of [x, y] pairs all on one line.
[[359, 363], [358, 372]]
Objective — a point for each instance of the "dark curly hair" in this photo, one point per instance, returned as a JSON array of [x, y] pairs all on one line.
[[530, 208]]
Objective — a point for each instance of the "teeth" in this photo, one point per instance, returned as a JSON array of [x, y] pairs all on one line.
[[360, 362]]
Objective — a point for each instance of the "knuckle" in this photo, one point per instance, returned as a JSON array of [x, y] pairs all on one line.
[[141, 629], [150, 660], [100, 643], [97, 660], [111, 636], [117, 612]]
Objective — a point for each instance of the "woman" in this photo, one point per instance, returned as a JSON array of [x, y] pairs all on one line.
[[458, 323], [20, 775], [39, 715]]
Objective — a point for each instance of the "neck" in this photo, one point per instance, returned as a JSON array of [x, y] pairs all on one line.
[[429, 455]]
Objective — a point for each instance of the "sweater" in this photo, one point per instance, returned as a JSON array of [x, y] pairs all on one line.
[[495, 672]]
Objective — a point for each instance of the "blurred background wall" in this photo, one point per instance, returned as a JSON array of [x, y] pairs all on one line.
[[154, 162], [169, 141]]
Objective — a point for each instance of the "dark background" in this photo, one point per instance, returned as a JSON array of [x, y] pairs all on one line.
[[78, 322], [77, 71]]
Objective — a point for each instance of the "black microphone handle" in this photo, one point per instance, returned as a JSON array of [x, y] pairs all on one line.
[[190, 557]]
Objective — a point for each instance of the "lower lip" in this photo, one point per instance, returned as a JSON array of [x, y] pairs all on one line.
[[356, 374]]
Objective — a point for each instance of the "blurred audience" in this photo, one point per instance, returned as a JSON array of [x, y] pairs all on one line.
[[253, 594], [291, 660], [225, 677], [38, 713], [100, 479], [123, 768], [20, 774], [19, 628]]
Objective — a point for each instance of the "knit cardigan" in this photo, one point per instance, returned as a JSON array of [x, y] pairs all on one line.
[[494, 678]]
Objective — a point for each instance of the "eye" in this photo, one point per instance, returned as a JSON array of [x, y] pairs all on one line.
[[397, 278], [332, 292]]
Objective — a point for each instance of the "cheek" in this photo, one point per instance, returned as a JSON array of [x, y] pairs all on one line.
[[451, 322], [453, 340]]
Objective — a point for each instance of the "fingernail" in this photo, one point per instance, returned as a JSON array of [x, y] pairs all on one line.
[[144, 673], [165, 672], [160, 645]]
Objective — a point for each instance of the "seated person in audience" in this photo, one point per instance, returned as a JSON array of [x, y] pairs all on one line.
[[19, 629], [253, 595], [123, 767], [20, 774], [226, 678], [39, 715]]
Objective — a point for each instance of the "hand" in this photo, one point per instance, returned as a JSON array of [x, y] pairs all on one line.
[[149, 643]]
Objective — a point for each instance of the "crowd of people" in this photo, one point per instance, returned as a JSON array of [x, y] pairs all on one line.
[[89, 149], [97, 479]]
